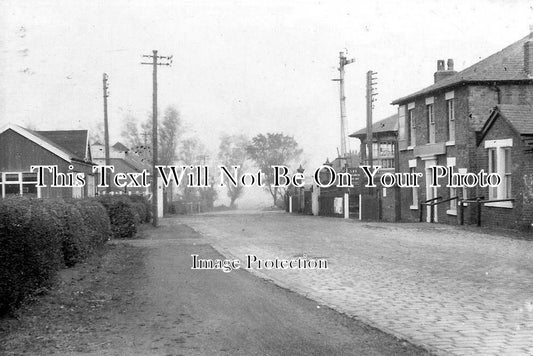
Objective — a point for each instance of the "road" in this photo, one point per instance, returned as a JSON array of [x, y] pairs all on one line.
[[144, 299], [451, 290]]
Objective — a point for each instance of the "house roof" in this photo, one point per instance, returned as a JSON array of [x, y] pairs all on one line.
[[73, 141], [120, 147], [54, 146], [520, 117], [389, 124], [505, 65]]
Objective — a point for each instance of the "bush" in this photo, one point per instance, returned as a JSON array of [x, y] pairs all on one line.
[[37, 237], [95, 216], [30, 253], [145, 213], [123, 215]]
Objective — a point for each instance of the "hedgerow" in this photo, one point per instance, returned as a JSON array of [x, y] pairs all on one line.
[[37, 237]]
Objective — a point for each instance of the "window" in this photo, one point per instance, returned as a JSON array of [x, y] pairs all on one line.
[[493, 191], [19, 183], [431, 123], [450, 109], [500, 162], [386, 149], [387, 163], [507, 173], [401, 123], [411, 139]]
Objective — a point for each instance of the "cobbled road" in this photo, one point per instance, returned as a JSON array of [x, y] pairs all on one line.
[[450, 290]]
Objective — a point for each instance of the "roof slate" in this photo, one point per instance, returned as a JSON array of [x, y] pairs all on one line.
[[505, 65], [389, 124], [520, 116], [72, 141]]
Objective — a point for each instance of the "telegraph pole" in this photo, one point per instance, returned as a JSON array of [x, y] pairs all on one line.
[[343, 62], [371, 81], [166, 61], [106, 130]]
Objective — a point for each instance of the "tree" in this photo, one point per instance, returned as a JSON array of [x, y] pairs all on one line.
[[232, 152], [170, 130], [273, 149]]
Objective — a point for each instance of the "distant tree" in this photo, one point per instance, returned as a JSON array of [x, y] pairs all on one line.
[[170, 131], [232, 152], [97, 133], [273, 149]]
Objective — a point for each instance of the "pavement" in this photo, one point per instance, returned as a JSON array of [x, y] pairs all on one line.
[[450, 290]]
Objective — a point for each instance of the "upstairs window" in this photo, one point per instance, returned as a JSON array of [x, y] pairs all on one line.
[[450, 109], [411, 139], [431, 123]]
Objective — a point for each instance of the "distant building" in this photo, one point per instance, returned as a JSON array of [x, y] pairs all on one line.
[[21, 148], [123, 160], [442, 124], [380, 203], [384, 134]]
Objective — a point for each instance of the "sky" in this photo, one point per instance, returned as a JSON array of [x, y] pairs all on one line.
[[238, 66]]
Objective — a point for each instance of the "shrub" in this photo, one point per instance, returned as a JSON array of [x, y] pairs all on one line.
[[37, 237], [71, 228], [146, 216], [122, 215], [30, 253], [95, 216]]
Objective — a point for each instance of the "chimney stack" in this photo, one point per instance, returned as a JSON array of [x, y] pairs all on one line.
[[450, 64], [442, 72], [528, 53]]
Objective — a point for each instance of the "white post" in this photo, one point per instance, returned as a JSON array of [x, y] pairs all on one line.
[[290, 204], [159, 197], [346, 206], [360, 207]]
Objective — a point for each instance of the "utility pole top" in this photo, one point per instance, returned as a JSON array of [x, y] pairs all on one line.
[[342, 63]]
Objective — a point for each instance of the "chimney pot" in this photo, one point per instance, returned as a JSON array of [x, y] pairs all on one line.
[[440, 65], [450, 64]]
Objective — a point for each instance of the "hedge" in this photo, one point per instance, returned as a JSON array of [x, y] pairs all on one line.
[[125, 212], [37, 237]]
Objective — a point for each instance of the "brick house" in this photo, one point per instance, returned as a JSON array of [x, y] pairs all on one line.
[[440, 125], [21, 148], [381, 203]]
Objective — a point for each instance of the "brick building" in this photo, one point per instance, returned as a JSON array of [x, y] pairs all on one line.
[[441, 125]]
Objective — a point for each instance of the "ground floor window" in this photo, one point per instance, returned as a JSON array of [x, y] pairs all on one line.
[[19, 183], [499, 161]]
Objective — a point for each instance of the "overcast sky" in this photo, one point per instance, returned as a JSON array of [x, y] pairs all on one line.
[[239, 66]]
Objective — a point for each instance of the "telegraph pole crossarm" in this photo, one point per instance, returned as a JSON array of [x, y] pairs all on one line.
[[166, 61], [371, 82], [342, 63], [106, 129]]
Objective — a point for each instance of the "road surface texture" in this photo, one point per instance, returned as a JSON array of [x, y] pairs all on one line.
[[453, 291], [142, 298]]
